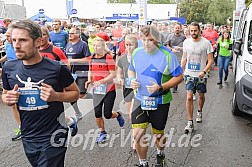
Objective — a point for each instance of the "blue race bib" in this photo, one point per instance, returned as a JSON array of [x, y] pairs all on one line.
[[149, 103], [100, 90], [74, 76], [30, 100], [127, 83], [193, 66]]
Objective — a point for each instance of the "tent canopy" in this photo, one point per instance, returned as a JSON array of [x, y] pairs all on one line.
[[41, 17]]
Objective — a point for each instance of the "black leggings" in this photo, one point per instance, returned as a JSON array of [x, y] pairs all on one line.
[[108, 101]]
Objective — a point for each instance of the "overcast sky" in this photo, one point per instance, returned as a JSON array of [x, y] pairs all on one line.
[[93, 9], [55, 8]]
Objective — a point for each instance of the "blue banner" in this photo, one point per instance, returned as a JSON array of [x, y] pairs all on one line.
[[69, 6]]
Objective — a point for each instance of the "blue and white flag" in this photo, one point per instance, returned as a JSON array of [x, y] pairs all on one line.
[[69, 6]]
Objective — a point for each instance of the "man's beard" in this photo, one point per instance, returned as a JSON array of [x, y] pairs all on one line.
[[195, 36]]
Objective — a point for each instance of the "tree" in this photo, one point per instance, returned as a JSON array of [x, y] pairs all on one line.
[[148, 1], [121, 1], [248, 2], [194, 10], [219, 11], [159, 1], [214, 11]]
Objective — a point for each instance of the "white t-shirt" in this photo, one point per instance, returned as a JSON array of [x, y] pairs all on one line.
[[196, 54]]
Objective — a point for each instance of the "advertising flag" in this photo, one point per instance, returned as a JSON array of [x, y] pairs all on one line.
[[69, 7]]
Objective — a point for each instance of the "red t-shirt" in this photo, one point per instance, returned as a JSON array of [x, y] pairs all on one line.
[[100, 69], [53, 53], [212, 36], [104, 36], [122, 47], [117, 33]]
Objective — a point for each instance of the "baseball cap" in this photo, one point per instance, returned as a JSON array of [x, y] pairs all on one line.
[[92, 29]]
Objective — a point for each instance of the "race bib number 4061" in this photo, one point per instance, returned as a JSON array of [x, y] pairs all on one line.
[[30, 100]]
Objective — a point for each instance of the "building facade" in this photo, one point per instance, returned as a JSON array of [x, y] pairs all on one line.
[[12, 11]]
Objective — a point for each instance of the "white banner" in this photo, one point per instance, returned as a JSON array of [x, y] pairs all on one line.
[[240, 5], [142, 12]]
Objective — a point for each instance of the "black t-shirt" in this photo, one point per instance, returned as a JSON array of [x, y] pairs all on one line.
[[39, 125], [3, 30]]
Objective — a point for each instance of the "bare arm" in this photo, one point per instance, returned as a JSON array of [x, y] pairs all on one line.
[[131, 74], [210, 61], [183, 60], [167, 85], [3, 59], [89, 81], [133, 83], [119, 75], [174, 81], [109, 78], [79, 61]]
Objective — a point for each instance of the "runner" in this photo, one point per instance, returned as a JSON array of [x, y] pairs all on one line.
[[52, 52], [41, 108], [153, 71], [175, 43], [212, 36], [11, 55], [123, 63], [58, 37], [224, 47], [122, 70], [196, 52], [78, 54], [48, 50], [101, 75]]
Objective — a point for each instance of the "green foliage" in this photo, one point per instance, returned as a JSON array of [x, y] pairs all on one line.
[[248, 2], [121, 1], [148, 1], [159, 1], [214, 11]]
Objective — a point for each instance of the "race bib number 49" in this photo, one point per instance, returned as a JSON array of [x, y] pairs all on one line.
[[30, 100]]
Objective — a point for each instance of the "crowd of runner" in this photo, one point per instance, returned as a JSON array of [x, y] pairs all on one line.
[[44, 66]]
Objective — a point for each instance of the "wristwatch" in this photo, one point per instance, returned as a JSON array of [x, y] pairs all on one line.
[[161, 89]]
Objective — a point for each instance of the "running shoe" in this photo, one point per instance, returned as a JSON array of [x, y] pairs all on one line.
[[102, 138], [17, 135], [120, 119], [175, 89], [189, 127], [74, 127], [146, 165], [225, 78], [79, 116], [194, 97], [219, 83], [199, 117], [160, 160]]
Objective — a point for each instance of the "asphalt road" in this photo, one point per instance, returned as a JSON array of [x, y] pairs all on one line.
[[222, 140]]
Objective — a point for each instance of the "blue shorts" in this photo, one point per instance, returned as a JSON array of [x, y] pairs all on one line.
[[42, 154], [195, 83]]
